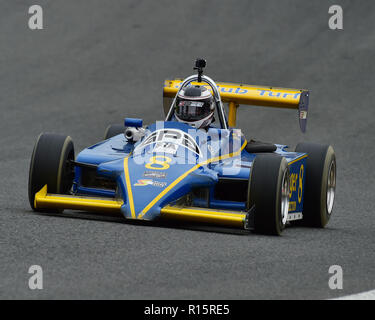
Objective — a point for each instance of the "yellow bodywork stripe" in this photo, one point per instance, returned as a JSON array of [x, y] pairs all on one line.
[[60, 201], [129, 187], [183, 176], [297, 159]]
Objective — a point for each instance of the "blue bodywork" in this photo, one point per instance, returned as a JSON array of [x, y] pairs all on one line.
[[170, 162]]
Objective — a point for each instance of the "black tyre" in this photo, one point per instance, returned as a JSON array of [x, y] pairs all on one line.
[[50, 165], [113, 130], [268, 190], [320, 184]]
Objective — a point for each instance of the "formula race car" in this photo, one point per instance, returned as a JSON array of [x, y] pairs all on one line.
[[206, 174]]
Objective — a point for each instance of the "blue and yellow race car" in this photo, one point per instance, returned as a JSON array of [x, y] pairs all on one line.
[[172, 170]]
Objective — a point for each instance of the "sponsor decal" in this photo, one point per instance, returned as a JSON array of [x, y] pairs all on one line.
[[155, 174], [278, 94], [232, 90], [241, 91], [150, 182]]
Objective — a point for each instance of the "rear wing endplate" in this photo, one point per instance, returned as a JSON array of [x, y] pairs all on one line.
[[243, 94]]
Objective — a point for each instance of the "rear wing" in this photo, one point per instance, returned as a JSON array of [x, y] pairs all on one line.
[[237, 94]]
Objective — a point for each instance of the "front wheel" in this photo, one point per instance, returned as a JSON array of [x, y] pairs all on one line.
[[320, 184], [51, 165], [268, 191]]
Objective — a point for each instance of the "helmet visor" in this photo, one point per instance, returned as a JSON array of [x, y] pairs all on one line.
[[193, 110]]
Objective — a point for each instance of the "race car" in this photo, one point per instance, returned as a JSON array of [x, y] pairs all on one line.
[[172, 170]]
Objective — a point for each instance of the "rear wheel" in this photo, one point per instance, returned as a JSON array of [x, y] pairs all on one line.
[[320, 184], [113, 130], [50, 165], [268, 191]]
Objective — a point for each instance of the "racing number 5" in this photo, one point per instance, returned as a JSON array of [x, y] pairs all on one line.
[[153, 161]]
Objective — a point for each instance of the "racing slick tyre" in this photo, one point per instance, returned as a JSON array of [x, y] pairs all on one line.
[[113, 130], [320, 184], [268, 191], [50, 165]]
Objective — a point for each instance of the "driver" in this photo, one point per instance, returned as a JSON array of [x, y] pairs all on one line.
[[195, 106]]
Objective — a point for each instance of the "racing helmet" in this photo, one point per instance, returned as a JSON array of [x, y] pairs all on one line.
[[195, 106]]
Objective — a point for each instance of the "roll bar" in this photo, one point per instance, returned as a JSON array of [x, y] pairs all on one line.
[[216, 95]]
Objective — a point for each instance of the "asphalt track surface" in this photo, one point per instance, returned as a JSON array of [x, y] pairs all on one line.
[[98, 61]]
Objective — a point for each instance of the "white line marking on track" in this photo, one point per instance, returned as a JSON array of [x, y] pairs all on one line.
[[368, 295]]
